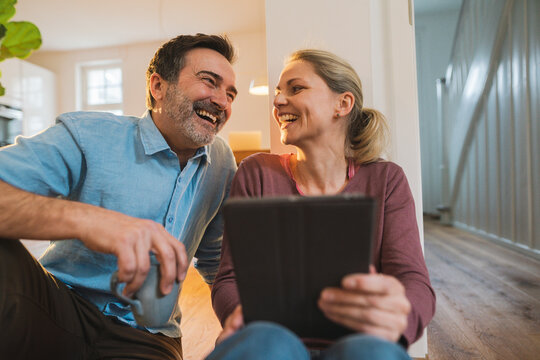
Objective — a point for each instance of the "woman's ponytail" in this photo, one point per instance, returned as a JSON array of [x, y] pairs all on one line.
[[367, 136]]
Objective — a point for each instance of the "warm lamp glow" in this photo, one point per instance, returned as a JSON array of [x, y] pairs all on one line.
[[258, 86], [245, 140]]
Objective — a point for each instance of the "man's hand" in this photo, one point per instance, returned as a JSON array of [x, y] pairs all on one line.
[[372, 303], [234, 322], [24, 215], [131, 240]]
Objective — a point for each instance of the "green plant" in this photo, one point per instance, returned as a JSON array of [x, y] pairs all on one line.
[[17, 38]]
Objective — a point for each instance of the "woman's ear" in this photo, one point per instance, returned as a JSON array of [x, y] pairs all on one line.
[[158, 86], [345, 104]]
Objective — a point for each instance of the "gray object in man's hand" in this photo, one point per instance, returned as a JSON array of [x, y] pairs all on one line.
[[150, 307]]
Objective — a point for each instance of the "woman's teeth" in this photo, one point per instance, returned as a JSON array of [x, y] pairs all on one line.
[[288, 118]]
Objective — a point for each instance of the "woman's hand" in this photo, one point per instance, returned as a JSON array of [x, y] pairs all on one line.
[[233, 323], [372, 303]]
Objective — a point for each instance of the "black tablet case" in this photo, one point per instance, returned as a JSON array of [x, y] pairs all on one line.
[[285, 250]]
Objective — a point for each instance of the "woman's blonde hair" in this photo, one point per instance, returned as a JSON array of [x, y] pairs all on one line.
[[367, 129]]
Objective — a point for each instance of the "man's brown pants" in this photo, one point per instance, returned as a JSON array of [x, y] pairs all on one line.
[[41, 318]]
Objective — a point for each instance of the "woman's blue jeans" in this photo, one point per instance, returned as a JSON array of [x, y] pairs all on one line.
[[264, 340]]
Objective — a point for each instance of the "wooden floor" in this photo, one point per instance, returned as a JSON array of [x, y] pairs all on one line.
[[488, 298], [200, 326], [488, 301]]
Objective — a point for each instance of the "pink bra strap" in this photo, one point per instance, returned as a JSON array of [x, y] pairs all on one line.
[[352, 169]]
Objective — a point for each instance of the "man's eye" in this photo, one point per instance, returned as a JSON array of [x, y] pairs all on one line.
[[209, 80], [231, 96]]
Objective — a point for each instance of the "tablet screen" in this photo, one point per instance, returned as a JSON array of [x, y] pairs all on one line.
[[285, 250]]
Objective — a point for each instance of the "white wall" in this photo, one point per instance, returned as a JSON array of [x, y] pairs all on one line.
[[376, 37], [434, 39], [249, 112], [395, 94]]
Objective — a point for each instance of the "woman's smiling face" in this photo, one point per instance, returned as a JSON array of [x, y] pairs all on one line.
[[304, 106]]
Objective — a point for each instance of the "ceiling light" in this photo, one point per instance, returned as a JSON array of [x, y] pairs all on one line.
[[258, 86]]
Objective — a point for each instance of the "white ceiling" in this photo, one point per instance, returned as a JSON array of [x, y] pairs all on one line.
[[80, 24]]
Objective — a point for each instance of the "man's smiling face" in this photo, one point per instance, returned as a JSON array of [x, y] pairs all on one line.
[[199, 103]]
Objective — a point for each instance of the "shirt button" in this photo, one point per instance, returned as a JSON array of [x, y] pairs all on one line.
[[170, 220]]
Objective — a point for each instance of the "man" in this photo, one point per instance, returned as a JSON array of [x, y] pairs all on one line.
[[123, 189]]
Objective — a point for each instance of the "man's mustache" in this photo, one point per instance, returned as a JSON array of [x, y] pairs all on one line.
[[211, 108]]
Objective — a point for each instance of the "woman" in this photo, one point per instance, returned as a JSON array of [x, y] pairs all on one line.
[[318, 106]]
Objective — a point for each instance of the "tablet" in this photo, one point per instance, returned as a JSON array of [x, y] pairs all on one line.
[[285, 250]]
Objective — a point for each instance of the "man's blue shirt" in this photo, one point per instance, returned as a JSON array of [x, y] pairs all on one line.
[[124, 164]]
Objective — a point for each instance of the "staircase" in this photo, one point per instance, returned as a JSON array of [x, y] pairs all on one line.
[[489, 113]]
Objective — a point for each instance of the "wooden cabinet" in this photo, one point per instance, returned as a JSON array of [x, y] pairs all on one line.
[[239, 155]]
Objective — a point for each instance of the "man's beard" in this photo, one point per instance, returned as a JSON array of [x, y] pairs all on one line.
[[179, 108]]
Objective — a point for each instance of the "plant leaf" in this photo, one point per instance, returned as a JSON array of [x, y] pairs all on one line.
[[2, 90], [2, 32], [21, 38], [7, 10]]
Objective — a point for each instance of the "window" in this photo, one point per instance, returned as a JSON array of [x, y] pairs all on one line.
[[101, 87]]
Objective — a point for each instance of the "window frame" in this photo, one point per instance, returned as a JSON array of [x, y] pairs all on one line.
[[82, 89]]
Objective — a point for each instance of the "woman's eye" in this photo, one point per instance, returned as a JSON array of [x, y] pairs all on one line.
[[296, 88]]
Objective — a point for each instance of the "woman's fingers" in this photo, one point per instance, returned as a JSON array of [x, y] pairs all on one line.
[[370, 303], [392, 303], [233, 323], [372, 283], [365, 315], [367, 319], [385, 332]]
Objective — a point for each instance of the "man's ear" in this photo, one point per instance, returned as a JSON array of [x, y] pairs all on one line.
[[158, 86], [345, 104]]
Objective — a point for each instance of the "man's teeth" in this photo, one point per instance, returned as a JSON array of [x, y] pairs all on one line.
[[206, 114], [288, 118]]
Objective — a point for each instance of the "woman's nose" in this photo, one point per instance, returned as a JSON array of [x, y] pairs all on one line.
[[279, 99]]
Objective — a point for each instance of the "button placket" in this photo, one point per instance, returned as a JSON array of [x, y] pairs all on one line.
[[175, 198], [174, 224]]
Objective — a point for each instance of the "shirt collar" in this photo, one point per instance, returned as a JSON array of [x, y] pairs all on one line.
[[154, 142]]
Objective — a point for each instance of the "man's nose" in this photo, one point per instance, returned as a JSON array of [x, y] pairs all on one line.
[[220, 99]]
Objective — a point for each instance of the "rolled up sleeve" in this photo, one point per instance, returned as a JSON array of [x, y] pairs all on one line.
[[49, 163]]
